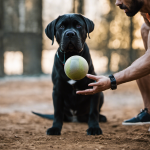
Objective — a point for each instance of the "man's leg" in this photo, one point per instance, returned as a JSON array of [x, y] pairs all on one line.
[[144, 116], [144, 86], [144, 83]]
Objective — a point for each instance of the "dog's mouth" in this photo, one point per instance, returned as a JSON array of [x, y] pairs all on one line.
[[72, 48]]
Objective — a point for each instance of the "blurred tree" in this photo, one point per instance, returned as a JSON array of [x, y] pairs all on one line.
[[1, 46], [78, 6], [22, 27]]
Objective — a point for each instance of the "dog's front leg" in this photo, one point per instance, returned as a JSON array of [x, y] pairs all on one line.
[[58, 114], [93, 121]]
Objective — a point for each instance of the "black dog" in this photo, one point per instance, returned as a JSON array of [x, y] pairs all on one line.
[[71, 32]]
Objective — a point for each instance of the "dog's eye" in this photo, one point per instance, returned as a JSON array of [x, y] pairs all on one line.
[[78, 26], [62, 27]]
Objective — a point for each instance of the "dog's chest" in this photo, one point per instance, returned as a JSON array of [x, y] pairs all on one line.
[[74, 87], [72, 100]]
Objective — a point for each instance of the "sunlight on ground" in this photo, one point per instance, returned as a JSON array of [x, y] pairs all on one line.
[[13, 62]]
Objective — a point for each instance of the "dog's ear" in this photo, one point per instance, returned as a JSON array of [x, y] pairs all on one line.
[[89, 25], [50, 30]]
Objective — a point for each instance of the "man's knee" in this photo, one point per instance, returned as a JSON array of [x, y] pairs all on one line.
[[144, 29]]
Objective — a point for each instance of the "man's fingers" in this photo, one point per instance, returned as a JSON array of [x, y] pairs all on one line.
[[94, 84], [85, 91], [88, 94], [92, 77]]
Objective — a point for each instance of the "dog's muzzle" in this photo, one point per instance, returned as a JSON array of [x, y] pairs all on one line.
[[70, 34], [71, 41]]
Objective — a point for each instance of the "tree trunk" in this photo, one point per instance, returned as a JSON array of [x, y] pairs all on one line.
[[1, 39], [78, 6]]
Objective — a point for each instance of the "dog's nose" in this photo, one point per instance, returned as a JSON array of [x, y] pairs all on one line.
[[70, 34]]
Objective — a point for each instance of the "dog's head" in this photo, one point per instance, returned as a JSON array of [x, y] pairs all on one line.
[[70, 31]]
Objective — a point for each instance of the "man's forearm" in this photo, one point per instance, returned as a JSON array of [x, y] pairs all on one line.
[[140, 68]]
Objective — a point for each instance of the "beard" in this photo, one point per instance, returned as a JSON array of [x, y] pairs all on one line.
[[133, 9]]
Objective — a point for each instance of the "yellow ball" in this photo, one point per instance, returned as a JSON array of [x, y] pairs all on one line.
[[76, 67]]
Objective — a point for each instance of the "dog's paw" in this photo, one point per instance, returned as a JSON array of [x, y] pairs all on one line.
[[102, 118], [53, 131], [94, 131]]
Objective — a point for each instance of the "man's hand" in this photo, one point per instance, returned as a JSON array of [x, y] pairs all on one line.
[[102, 83]]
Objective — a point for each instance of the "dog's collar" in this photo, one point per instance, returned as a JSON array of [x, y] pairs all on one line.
[[63, 62]]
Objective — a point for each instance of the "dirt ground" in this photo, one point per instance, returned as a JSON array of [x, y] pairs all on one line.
[[20, 129]]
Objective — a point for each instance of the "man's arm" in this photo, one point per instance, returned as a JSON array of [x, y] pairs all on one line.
[[138, 69]]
